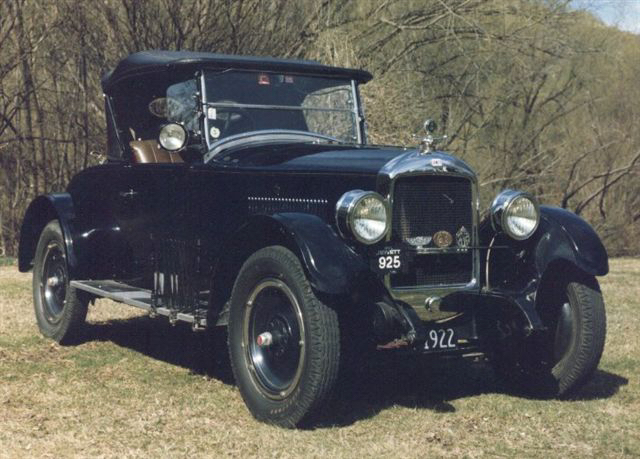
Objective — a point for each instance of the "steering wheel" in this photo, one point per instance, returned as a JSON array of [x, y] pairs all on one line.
[[160, 107], [232, 117]]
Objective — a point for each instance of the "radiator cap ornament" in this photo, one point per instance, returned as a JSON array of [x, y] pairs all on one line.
[[442, 239], [429, 140]]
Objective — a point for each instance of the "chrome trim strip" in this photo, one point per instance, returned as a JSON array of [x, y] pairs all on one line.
[[203, 101], [356, 112], [293, 200], [432, 250], [277, 107]]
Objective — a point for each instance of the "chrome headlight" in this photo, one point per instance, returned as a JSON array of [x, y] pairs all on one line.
[[516, 213], [363, 215], [173, 137]]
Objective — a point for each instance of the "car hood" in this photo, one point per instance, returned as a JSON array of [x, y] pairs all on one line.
[[310, 157]]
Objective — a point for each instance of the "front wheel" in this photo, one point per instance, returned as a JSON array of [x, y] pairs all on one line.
[[60, 309], [284, 343], [558, 361]]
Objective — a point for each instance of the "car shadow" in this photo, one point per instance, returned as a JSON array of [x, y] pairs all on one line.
[[601, 385], [202, 353], [432, 385], [384, 381]]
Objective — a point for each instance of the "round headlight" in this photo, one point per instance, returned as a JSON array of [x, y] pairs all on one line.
[[516, 213], [363, 215], [172, 137]]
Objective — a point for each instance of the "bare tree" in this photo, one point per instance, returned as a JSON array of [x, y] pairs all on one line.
[[532, 93]]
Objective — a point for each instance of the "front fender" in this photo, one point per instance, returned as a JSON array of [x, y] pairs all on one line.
[[333, 267], [516, 268], [566, 236], [41, 211]]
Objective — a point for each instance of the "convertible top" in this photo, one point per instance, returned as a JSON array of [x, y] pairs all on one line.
[[146, 62]]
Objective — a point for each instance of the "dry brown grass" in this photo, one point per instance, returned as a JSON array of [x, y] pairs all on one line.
[[138, 387]]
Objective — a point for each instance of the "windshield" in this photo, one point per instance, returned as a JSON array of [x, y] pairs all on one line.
[[240, 102]]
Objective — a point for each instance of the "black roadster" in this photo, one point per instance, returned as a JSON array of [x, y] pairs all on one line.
[[241, 192]]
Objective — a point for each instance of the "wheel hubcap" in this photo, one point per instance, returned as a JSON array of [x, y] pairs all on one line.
[[273, 338], [264, 339], [53, 284], [53, 281]]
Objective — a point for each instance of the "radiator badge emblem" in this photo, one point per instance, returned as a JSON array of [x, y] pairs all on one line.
[[442, 239], [419, 241], [463, 238]]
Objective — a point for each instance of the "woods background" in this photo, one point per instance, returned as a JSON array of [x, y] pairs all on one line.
[[533, 94]]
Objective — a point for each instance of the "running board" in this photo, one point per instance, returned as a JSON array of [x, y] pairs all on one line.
[[139, 298]]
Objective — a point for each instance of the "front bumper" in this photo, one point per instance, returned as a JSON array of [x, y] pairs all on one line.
[[472, 322]]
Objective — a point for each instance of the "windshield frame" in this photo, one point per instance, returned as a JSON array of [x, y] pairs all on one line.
[[266, 136], [356, 109]]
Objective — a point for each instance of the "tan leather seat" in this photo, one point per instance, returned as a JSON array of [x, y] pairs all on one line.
[[149, 151]]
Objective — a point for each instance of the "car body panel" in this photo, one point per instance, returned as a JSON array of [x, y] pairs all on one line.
[[177, 201]]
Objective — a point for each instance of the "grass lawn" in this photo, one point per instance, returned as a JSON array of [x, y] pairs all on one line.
[[139, 387]]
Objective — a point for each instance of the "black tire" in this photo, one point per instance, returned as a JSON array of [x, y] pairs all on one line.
[[285, 381], [559, 361], [60, 309]]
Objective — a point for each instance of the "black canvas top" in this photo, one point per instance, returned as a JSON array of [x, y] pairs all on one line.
[[153, 61]]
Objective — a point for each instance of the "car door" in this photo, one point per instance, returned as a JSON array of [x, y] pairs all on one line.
[[149, 208], [100, 244]]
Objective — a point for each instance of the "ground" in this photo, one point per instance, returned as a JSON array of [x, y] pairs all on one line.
[[138, 387]]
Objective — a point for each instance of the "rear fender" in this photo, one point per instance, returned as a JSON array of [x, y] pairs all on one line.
[[41, 211]]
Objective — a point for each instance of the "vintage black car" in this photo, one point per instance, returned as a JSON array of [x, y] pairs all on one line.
[[241, 192]]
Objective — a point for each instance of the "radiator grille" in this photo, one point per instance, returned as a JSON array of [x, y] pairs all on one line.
[[422, 206], [436, 269]]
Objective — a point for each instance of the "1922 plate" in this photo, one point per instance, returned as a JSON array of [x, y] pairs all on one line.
[[441, 339]]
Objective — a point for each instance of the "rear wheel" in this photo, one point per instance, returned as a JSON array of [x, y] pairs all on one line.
[[283, 342], [559, 360], [60, 309]]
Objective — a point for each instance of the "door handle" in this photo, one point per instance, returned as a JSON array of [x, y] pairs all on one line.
[[127, 194]]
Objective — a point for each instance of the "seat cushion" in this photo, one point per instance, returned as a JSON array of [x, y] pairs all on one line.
[[149, 151]]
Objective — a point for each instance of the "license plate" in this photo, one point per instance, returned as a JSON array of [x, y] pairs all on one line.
[[441, 339], [388, 260]]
